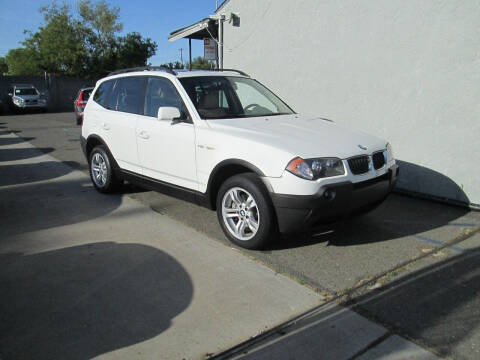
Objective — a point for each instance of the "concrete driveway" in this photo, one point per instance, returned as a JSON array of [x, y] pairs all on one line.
[[402, 237], [85, 275]]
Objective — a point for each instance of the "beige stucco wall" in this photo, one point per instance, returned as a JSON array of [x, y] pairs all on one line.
[[408, 71]]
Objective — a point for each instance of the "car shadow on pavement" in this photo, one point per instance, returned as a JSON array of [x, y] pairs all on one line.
[[397, 217], [14, 140], [84, 301], [438, 305], [28, 173], [22, 153], [8, 132], [52, 204], [76, 165]]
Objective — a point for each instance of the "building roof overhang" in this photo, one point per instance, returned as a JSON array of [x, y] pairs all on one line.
[[202, 29]]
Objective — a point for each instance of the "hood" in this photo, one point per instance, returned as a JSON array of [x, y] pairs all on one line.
[[306, 137]]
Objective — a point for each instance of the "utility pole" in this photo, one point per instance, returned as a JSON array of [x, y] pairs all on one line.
[[181, 55]]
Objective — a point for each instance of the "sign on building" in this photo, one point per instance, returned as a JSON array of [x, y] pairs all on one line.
[[209, 49]]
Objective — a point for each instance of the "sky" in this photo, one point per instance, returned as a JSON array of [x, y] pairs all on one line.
[[153, 19]]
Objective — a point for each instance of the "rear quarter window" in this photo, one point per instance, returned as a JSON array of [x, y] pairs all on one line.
[[128, 95], [102, 93]]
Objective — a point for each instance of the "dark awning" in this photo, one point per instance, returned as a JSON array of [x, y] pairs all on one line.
[[199, 30]]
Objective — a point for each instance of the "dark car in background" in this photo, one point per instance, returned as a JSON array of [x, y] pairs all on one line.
[[80, 102], [22, 97]]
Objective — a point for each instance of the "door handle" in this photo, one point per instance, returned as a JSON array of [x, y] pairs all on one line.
[[143, 134], [105, 126]]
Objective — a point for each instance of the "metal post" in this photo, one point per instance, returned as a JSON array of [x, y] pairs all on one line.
[[220, 41], [190, 53]]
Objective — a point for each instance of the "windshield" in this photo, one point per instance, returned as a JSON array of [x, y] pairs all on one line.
[[26, 91], [221, 97]]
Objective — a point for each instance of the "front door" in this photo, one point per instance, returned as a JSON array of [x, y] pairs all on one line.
[[166, 149]]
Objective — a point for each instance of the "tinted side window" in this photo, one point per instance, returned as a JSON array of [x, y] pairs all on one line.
[[127, 95], [101, 95], [161, 92], [212, 96]]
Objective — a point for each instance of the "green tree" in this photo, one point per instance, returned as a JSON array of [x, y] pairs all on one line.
[[103, 22], [175, 65], [23, 61], [133, 50], [86, 45], [59, 45], [200, 63], [3, 66]]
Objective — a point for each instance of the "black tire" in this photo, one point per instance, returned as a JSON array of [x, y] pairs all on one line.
[[111, 183], [267, 227], [79, 120]]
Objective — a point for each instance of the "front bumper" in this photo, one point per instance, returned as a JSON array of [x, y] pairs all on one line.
[[333, 202], [30, 106]]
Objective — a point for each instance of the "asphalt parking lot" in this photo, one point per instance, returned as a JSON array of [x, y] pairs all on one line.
[[402, 241]]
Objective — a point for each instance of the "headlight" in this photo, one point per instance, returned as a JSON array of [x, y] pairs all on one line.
[[388, 153], [43, 101], [18, 101], [312, 169]]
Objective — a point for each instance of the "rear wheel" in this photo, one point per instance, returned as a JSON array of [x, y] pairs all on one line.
[[245, 212], [102, 172]]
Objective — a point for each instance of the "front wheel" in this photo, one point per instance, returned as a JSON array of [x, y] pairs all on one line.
[[245, 212]]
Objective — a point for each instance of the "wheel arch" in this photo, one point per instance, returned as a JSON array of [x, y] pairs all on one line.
[[224, 170], [95, 140]]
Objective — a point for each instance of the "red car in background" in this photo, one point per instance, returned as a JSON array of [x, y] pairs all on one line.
[[80, 102]]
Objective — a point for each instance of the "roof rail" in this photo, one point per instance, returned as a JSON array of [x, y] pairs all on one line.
[[143, 68], [237, 71]]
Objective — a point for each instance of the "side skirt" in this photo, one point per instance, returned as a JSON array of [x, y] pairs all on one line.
[[163, 187]]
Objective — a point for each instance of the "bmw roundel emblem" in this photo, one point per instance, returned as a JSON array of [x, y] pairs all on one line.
[[362, 147]]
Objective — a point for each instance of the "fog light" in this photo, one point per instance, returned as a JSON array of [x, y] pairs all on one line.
[[329, 194]]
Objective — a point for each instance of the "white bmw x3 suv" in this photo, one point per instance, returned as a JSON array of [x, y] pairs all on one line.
[[225, 141]]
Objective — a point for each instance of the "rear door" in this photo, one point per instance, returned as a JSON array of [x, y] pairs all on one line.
[[118, 122], [166, 149]]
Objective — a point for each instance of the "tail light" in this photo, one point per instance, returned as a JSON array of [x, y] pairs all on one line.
[[80, 101]]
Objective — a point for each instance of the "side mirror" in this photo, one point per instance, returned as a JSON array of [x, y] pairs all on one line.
[[168, 113]]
